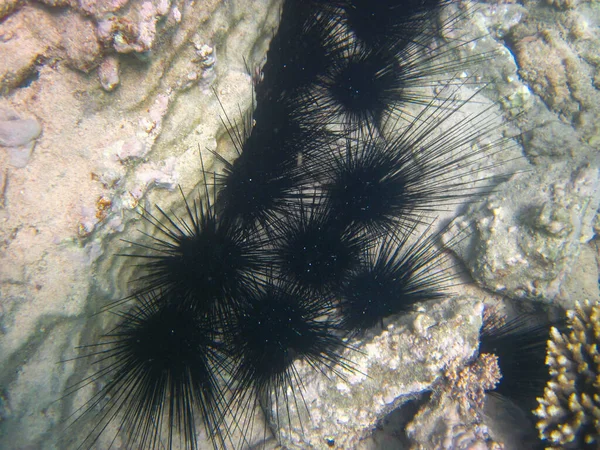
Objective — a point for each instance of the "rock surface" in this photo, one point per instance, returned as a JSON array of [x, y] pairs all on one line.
[[100, 155], [404, 359], [525, 238], [17, 132]]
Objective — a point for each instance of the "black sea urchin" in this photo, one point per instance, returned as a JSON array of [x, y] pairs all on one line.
[[163, 372], [394, 275], [202, 259], [365, 87], [278, 324], [303, 48], [520, 345], [378, 184], [315, 251], [367, 82], [268, 176], [392, 24]]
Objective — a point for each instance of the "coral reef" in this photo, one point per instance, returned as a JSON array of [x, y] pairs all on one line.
[[557, 54], [569, 411], [452, 419], [406, 358], [129, 133], [526, 236]]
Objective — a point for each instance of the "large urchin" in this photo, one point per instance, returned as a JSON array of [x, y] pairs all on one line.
[[315, 250], [379, 184], [164, 372], [202, 259], [279, 324]]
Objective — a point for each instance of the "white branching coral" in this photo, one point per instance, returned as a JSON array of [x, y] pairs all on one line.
[[569, 411]]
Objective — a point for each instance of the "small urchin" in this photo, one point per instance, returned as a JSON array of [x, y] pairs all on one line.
[[395, 274]]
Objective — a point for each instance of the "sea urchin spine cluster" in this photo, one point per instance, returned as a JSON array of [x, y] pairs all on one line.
[[311, 234]]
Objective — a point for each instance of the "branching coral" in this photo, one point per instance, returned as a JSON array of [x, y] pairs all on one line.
[[569, 411]]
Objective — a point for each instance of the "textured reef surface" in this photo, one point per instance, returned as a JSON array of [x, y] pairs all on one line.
[[105, 107]]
